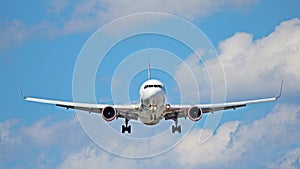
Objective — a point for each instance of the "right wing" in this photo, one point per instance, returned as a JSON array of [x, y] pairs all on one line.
[[129, 111]]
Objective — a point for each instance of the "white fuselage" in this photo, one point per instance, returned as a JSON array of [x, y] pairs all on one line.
[[152, 101]]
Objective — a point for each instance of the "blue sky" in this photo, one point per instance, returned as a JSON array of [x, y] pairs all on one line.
[[258, 43]]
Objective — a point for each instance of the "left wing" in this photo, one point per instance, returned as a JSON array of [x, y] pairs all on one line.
[[180, 111], [124, 111]]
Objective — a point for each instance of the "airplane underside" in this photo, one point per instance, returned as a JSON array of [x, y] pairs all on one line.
[[151, 115]]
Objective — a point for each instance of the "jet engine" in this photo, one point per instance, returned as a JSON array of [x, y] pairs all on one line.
[[195, 113], [109, 113]]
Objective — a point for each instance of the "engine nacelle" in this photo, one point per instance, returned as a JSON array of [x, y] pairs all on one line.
[[195, 113], [109, 113]]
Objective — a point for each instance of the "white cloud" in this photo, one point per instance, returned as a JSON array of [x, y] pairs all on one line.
[[5, 132], [269, 142], [45, 133], [197, 79], [12, 33], [86, 157], [9, 141], [290, 161], [264, 62], [191, 153], [191, 10], [188, 75], [273, 138], [90, 14], [237, 145], [66, 17], [90, 157], [58, 6], [39, 145], [255, 67]]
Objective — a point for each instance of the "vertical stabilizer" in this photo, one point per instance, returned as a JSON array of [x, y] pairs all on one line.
[[149, 73]]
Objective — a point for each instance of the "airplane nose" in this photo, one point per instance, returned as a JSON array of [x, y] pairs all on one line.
[[156, 97]]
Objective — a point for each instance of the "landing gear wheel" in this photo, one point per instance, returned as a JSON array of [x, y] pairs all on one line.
[[176, 127], [129, 129], [126, 127]]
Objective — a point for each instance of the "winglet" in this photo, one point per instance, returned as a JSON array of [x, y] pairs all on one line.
[[149, 73], [22, 94], [277, 97]]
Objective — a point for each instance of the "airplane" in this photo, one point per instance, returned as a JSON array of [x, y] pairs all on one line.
[[152, 107]]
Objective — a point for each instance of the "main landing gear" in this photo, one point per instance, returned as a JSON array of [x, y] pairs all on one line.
[[176, 127], [126, 127]]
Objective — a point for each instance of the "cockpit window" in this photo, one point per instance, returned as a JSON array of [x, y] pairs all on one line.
[[156, 86]]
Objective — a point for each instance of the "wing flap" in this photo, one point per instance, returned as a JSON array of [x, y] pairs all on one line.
[[88, 109]]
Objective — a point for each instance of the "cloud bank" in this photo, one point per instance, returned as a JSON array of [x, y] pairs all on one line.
[[237, 145], [266, 143], [269, 142], [255, 67], [264, 62]]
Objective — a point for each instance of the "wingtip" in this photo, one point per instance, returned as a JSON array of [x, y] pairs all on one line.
[[279, 95], [21, 92]]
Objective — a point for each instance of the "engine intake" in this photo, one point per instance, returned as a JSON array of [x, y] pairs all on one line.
[[195, 113], [109, 113]]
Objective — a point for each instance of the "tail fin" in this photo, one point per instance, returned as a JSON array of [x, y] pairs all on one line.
[[149, 73]]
